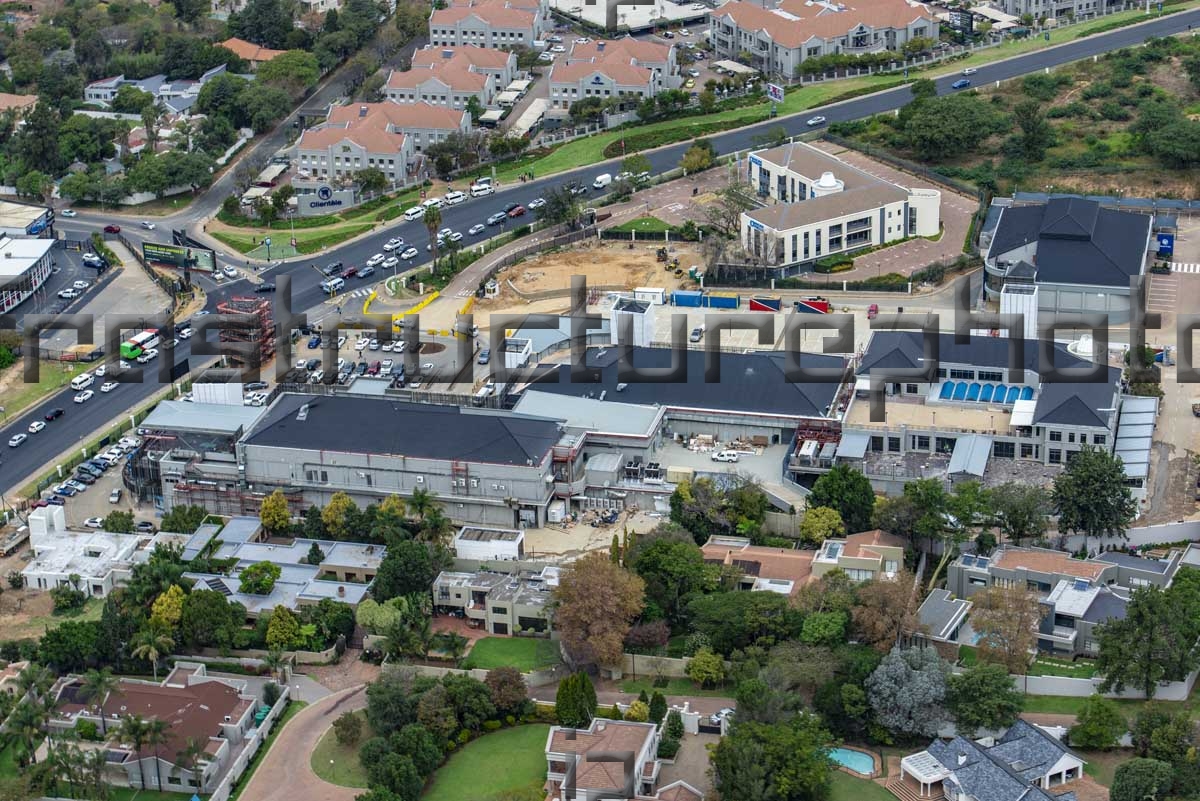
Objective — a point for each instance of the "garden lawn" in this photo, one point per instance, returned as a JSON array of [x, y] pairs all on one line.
[[311, 240], [523, 653], [676, 686], [138, 794], [500, 762], [848, 788], [52, 376], [338, 764], [1048, 666], [651, 225], [1102, 765]]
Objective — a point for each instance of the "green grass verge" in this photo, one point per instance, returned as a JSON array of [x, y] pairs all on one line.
[[651, 225], [138, 794], [312, 240], [292, 710], [8, 760], [505, 761], [674, 687], [1102, 765], [52, 377], [1048, 666], [523, 653], [338, 764], [848, 788]]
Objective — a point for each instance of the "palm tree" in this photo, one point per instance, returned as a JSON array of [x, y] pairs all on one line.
[[133, 732], [36, 679], [156, 735], [26, 723], [152, 644], [97, 684], [421, 502], [433, 222], [189, 759], [275, 660], [93, 764], [435, 527]]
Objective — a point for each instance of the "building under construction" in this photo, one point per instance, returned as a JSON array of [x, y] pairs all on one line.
[[258, 338]]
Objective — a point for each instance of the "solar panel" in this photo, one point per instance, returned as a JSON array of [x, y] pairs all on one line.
[[968, 561], [981, 561], [1082, 584]]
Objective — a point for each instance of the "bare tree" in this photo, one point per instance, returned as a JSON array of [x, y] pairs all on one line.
[[1006, 619]]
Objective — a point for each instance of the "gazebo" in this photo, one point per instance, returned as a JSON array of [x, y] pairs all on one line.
[[927, 771]]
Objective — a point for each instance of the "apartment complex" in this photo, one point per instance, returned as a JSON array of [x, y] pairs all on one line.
[[362, 138], [500, 64], [422, 124], [817, 205], [495, 24], [1071, 9], [779, 40], [621, 68], [501, 603]]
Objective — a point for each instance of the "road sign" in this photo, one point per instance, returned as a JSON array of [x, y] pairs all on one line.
[[267, 241], [775, 93]]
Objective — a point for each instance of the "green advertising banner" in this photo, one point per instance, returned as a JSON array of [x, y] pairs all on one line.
[[198, 259]]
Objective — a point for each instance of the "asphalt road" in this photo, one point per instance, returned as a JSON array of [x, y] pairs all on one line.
[[81, 421]]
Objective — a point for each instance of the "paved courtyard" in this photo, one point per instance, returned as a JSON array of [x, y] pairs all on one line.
[[691, 763]]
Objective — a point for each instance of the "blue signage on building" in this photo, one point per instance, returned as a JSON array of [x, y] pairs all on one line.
[[756, 225], [1166, 244]]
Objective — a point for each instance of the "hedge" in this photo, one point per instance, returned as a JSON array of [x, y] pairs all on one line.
[[834, 264]]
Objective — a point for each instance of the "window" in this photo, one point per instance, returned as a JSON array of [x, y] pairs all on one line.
[[1055, 456], [968, 375], [860, 575], [990, 375], [921, 442], [910, 389], [1004, 450], [893, 444], [891, 566], [941, 372], [1071, 437], [1026, 451], [499, 610], [1099, 439], [975, 581], [877, 444], [444, 593], [1056, 436]]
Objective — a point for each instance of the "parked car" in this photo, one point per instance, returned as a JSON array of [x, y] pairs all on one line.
[[362, 368], [86, 479], [872, 311], [697, 334], [725, 456], [145, 527], [94, 522]]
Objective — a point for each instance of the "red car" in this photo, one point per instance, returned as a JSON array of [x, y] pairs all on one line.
[[349, 272], [112, 229], [517, 212]]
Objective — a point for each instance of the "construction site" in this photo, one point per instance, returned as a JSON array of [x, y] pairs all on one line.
[[255, 340]]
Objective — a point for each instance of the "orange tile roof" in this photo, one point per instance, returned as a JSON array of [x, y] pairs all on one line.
[[794, 22], [10, 102], [372, 138], [454, 76], [625, 74], [627, 49], [401, 115], [1044, 561], [495, 14], [250, 51], [763, 562], [679, 791], [604, 735], [860, 544], [465, 55]]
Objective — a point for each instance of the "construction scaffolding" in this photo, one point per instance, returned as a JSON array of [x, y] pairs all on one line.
[[260, 337]]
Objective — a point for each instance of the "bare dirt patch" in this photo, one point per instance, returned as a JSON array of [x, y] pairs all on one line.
[[25, 613]]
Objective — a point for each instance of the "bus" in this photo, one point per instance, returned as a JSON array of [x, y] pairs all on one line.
[[139, 343]]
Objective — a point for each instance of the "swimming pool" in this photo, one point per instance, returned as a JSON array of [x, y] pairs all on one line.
[[856, 761]]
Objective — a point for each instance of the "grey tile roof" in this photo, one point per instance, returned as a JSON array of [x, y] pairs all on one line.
[[940, 612], [417, 430], [1031, 746], [1005, 771], [1134, 562], [750, 382], [1106, 606], [1078, 241]]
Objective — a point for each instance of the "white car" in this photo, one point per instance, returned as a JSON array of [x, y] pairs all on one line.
[[558, 49], [80, 285], [341, 341], [427, 366], [15, 442], [100, 371], [725, 456], [69, 213], [415, 213], [434, 203], [68, 294], [454, 198], [582, 40], [36, 426], [547, 56], [386, 367], [149, 226], [124, 364], [109, 386], [536, 203], [970, 71], [361, 344], [85, 396], [376, 260], [815, 121], [394, 243], [476, 229], [409, 253], [229, 271], [94, 522], [697, 6], [684, 32], [455, 236], [185, 333], [148, 356], [391, 261], [445, 232]]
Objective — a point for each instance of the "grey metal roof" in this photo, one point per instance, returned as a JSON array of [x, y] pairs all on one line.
[[378, 426], [1078, 241], [542, 339], [1135, 404], [1134, 562], [591, 414], [853, 445], [1105, 606], [207, 417], [971, 454], [750, 382], [940, 613]]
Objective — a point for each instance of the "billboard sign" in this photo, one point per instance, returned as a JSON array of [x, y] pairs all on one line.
[[324, 200], [199, 259], [1166, 244], [774, 93]]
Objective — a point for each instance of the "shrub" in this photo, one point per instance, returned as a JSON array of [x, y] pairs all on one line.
[[451, 746], [674, 727], [86, 730], [667, 748], [491, 725], [464, 737], [67, 599], [509, 720], [348, 728], [1097, 90], [834, 264], [271, 693]]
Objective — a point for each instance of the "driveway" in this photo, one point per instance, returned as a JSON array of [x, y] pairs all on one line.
[[286, 774], [691, 763]]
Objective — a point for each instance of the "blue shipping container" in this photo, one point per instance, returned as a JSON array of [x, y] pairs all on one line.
[[722, 300], [687, 297]]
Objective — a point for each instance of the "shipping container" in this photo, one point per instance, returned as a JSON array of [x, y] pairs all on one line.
[[687, 297], [652, 295], [767, 303], [722, 300], [813, 305]]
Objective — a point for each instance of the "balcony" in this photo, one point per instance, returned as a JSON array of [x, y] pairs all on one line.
[[1060, 635]]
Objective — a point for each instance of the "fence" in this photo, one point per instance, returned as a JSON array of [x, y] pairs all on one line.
[[1082, 688], [1138, 537], [171, 286], [534, 678], [251, 657], [257, 737]]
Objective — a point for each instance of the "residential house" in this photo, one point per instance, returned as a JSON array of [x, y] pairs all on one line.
[[500, 603], [489, 23], [214, 714], [1067, 255], [94, 562], [1024, 764], [421, 123], [10, 677], [818, 205], [173, 96], [250, 52], [336, 151], [19, 104], [779, 40], [865, 556], [941, 621], [762, 569], [569, 763]]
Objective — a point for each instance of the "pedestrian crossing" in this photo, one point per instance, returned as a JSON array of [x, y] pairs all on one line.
[[1185, 267]]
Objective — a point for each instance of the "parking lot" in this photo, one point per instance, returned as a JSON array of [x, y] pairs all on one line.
[[68, 268]]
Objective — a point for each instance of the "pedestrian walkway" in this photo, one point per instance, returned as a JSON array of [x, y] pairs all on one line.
[[1185, 267]]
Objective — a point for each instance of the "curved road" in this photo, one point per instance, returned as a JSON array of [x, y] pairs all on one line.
[[80, 422]]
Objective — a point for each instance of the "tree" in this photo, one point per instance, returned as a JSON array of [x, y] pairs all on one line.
[[786, 761], [1006, 620], [410, 633], [983, 697], [284, 630], [696, 159], [735, 507], [820, 523], [432, 219], [1020, 510], [648, 638], [315, 555], [168, 608], [674, 571], [507, 688], [118, 522], [1099, 724], [575, 701], [725, 214], [1154, 642], [706, 669], [407, 567], [420, 745], [156, 735], [734, 620], [274, 513], [293, 71], [152, 644], [264, 22], [635, 163], [348, 728], [337, 515], [908, 691], [886, 611], [1036, 134], [259, 578], [944, 127], [849, 492], [595, 604], [184, 519], [1091, 495], [1142, 780], [209, 621], [134, 732], [71, 645], [658, 707], [97, 684]]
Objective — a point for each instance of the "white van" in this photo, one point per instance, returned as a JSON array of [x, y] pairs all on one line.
[[725, 456], [415, 213], [602, 181], [433, 203], [479, 190], [82, 381], [454, 198], [333, 285]]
